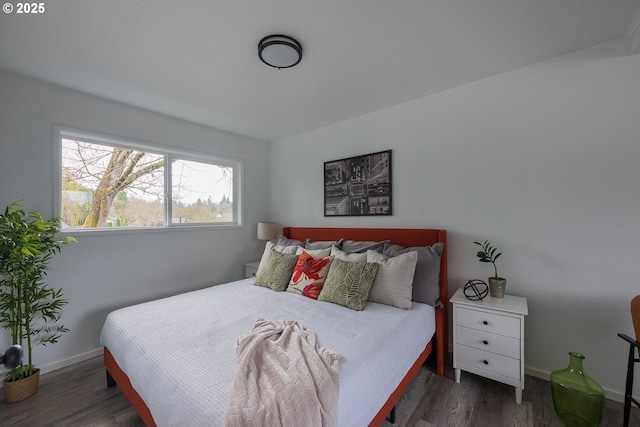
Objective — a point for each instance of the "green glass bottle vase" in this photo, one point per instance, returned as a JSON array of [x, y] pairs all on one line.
[[577, 398]]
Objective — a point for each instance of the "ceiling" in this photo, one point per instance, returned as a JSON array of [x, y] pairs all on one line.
[[197, 60]]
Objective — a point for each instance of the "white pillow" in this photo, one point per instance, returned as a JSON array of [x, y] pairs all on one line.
[[316, 253], [288, 250], [393, 282], [342, 255]]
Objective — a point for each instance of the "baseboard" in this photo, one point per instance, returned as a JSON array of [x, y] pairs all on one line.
[[538, 373], [68, 361]]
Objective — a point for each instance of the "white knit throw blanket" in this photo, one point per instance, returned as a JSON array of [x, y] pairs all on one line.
[[283, 379]]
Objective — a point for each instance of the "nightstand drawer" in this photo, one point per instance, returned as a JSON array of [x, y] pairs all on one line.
[[251, 269], [494, 343], [488, 322], [491, 362], [250, 272]]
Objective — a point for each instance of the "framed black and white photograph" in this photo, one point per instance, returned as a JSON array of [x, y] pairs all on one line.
[[358, 186]]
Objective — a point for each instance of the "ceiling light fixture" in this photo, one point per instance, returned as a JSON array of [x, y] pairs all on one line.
[[280, 51]]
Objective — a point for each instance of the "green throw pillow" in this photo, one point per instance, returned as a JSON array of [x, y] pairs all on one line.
[[277, 271], [349, 283]]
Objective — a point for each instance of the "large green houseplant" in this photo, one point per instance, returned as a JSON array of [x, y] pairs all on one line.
[[29, 309], [488, 253]]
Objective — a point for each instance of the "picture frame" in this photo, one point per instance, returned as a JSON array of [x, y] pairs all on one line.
[[358, 186]]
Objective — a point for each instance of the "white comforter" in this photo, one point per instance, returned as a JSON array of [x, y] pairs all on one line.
[[180, 352]]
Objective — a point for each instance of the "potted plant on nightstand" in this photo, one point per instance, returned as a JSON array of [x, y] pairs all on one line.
[[29, 309], [497, 284]]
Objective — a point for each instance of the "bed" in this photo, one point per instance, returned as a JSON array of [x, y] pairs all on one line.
[[140, 352]]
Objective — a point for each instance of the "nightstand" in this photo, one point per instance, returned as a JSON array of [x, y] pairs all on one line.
[[251, 269], [488, 338]]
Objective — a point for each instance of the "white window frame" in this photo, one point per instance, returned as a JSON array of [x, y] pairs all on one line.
[[170, 154]]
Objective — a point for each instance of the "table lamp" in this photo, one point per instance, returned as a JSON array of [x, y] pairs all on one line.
[[267, 230]]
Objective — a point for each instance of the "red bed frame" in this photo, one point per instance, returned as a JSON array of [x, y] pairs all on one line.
[[400, 236]]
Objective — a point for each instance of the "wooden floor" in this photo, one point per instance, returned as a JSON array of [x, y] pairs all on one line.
[[78, 396]]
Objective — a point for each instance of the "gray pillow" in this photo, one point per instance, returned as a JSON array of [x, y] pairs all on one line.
[[277, 271], [426, 280], [310, 244], [285, 241], [338, 254], [348, 283], [358, 247]]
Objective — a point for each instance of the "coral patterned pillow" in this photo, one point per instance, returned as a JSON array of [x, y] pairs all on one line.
[[309, 275]]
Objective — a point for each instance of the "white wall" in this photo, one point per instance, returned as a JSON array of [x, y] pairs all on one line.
[[104, 272], [543, 161]]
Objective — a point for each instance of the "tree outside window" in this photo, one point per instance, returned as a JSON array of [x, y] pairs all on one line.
[[109, 186]]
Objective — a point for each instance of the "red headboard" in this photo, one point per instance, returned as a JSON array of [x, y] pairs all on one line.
[[400, 236]]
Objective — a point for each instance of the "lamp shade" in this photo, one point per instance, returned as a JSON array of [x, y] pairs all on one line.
[[267, 230]]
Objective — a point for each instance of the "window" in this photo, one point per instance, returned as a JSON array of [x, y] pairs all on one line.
[[105, 182]]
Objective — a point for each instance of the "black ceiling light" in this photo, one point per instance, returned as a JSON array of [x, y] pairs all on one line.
[[280, 51]]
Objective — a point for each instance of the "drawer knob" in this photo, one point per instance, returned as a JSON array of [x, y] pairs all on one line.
[[485, 342], [485, 362], [484, 322]]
